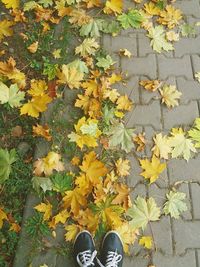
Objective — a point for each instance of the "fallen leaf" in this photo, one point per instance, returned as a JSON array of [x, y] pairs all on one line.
[[40, 130], [194, 133], [11, 3], [170, 95], [5, 28], [70, 76], [61, 217], [162, 146], [72, 231], [48, 164], [13, 96], [3, 217], [170, 16], [151, 85], [124, 103], [133, 19], [146, 241], [17, 131], [151, 9], [143, 212], [122, 167], [125, 52], [15, 227], [88, 47], [140, 141], [123, 197], [175, 204], [113, 6], [33, 47], [46, 209], [197, 76], [152, 169], [88, 220], [181, 146], [7, 158], [172, 36]]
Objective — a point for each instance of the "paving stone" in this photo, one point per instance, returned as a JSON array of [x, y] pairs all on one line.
[[138, 190], [187, 260], [186, 235], [163, 235], [180, 116], [195, 63], [190, 90], [135, 170], [147, 96], [195, 190], [145, 48], [158, 194], [124, 42], [191, 8], [140, 66], [63, 261], [198, 257], [174, 67], [187, 46], [131, 89], [46, 257], [135, 262], [187, 215], [144, 115], [181, 170]]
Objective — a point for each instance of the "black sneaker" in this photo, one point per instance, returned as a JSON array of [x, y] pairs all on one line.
[[84, 250], [112, 250]]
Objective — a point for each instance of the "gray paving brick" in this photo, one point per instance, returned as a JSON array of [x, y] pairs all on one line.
[[138, 190], [174, 67], [124, 42], [46, 257], [191, 8], [187, 215], [63, 261], [163, 235], [198, 257], [140, 66], [186, 235], [144, 115], [135, 171], [158, 194], [187, 46], [195, 190], [190, 90], [181, 170], [147, 96], [188, 260], [181, 115], [195, 63], [131, 89], [135, 262]]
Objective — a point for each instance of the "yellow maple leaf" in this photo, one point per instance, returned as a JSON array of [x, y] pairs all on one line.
[[79, 17], [72, 231], [162, 146], [122, 167], [170, 17], [75, 161], [46, 209], [48, 164], [15, 227], [75, 200], [33, 47], [88, 47], [151, 9], [38, 88], [115, 78], [93, 168], [70, 76], [3, 217], [123, 196], [125, 53], [111, 218], [128, 235], [92, 3], [40, 130], [5, 28], [35, 106], [9, 70], [172, 36], [140, 141], [112, 94], [61, 217], [150, 85], [90, 87], [124, 103], [170, 95], [152, 169], [88, 220], [11, 3], [113, 6], [62, 10], [146, 241]]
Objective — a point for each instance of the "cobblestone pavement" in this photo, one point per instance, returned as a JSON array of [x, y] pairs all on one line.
[[177, 241]]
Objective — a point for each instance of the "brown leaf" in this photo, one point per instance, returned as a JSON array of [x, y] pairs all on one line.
[[17, 131]]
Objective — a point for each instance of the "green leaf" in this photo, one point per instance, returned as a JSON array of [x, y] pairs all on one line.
[[112, 27], [46, 3], [187, 29], [50, 70], [92, 29], [104, 62], [158, 41], [142, 212], [41, 182], [132, 19], [62, 182], [108, 114], [121, 136], [175, 205], [30, 5], [6, 160], [194, 133], [79, 65], [11, 95]]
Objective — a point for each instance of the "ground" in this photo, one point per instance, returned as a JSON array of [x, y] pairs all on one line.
[[177, 241]]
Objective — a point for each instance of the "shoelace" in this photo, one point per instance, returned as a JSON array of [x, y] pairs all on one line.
[[113, 258], [86, 258]]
